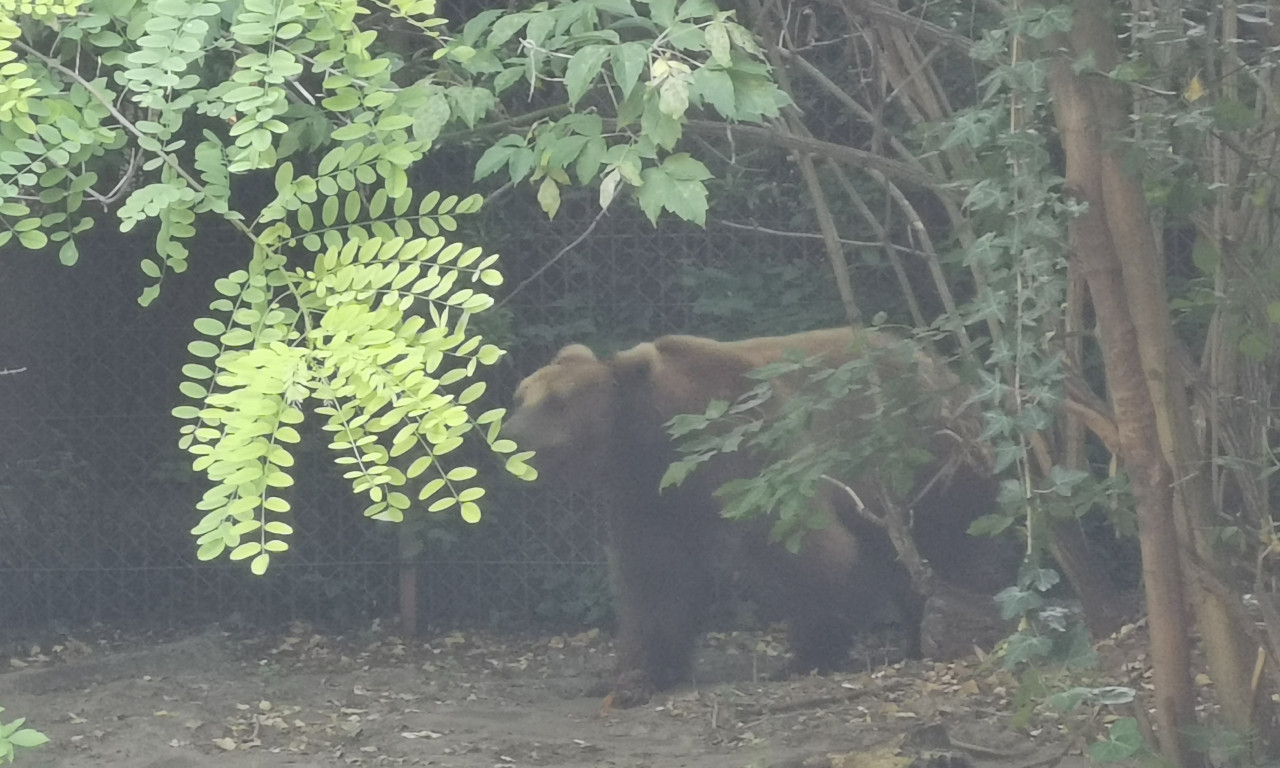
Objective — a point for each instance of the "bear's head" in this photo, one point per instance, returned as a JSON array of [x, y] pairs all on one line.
[[564, 411]]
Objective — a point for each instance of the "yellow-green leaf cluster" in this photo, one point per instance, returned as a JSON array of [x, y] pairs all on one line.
[[354, 298], [374, 337]]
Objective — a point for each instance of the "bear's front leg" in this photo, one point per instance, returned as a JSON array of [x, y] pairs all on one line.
[[662, 582]]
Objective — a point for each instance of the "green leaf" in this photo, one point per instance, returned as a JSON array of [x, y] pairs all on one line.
[[209, 327], [431, 118], [549, 197], [431, 488], [33, 238], [757, 96], [441, 505], [663, 12], [237, 337], [684, 166], [284, 177], [506, 26], [1204, 254], [68, 254], [673, 97], [351, 132], [692, 9], [658, 126], [492, 160], [520, 164], [460, 474], [203, 349], [344, 100], [582, 70], [629, 61], [540, 26], [716, 87], [27, 738], [211, 549], [470, 104], [507, 78], [717, 38], [590, 159], [419, 466], [1123, 742], [661, 190], [471, 393]]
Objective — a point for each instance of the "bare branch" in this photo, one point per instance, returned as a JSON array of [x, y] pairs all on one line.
[[552, 261], [838, 152], [813, 236], [912, 25]]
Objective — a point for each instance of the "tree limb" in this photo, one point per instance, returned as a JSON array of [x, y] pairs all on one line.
[[830, 150], [912, 25]]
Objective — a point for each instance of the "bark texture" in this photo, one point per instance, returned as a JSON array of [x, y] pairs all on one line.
[[1083, 104]]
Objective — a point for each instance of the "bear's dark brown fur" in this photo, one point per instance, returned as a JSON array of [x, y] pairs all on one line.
[[600, 424]]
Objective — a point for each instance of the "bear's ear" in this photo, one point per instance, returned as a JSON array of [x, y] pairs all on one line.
[[636, 364], [575, 353]]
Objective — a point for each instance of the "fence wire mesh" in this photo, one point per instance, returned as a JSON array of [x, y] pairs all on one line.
[[96, 500]]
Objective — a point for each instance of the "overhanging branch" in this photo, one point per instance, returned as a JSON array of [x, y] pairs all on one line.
[[912, 25], [832, 151], [894, 169]]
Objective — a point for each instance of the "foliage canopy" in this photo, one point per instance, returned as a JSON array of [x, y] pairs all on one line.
[[352, 296]]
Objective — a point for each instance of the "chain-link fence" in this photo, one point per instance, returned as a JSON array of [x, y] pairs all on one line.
[[96, 500]]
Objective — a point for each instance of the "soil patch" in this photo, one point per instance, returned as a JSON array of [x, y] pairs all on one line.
[[471, 700]]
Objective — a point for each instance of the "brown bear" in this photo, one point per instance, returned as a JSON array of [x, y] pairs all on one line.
[[601, 424]]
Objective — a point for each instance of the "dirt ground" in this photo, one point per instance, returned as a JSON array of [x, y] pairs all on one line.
[[298, 698]]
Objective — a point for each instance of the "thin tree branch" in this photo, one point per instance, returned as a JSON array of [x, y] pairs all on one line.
[[809, 235], [773, 137], [838, 152], [794, 125], [912, 25], [124, 122], [890, 249], [552, 261], [827, 222], [853, 105], [484, 129]]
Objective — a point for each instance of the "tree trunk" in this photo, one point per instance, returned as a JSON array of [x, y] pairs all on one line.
[[1077, 105], [1139, 258]]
